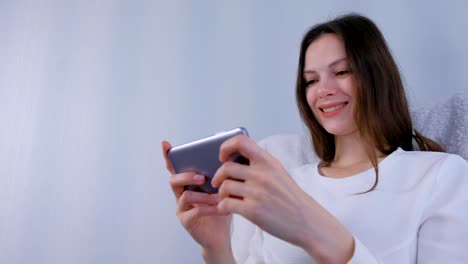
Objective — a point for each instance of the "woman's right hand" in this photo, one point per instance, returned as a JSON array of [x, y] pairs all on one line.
[[198, 211]]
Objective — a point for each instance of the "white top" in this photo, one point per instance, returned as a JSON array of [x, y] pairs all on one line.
[[417, 213]]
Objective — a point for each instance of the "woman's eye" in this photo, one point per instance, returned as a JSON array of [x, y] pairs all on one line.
[[310, 83], [343, 72]]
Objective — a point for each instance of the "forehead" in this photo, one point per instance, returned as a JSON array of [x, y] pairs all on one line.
[[323, 51]]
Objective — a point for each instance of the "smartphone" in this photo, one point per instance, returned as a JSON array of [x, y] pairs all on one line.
[[202, 157]]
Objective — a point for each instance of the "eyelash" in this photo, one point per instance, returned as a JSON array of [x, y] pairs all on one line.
[[343, 72], [310, 83], [339, 73]]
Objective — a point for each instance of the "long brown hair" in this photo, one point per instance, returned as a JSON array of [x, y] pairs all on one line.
[[382, 114]]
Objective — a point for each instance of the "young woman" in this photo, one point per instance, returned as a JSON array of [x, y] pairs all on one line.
[[370, 198]]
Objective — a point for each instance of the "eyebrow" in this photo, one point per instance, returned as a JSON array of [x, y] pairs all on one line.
[[329, 65]]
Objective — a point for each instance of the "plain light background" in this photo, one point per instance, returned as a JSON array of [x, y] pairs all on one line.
[[88, 89]]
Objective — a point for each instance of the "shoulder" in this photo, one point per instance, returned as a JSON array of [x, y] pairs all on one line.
[[292, 150], [451, 172], [425, 159], [411, 168], [428, 157]]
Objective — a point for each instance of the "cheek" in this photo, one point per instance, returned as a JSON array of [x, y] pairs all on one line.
[[349, 86], [311, 96]]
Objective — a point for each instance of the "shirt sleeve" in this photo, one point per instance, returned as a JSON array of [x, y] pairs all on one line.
[[443, 234]]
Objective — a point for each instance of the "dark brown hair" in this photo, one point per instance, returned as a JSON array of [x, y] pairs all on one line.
[[381, 113]]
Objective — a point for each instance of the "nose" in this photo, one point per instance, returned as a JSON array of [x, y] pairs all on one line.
[[327, 86]]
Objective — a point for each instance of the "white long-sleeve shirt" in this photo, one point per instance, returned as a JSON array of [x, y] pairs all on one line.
[[418, 212]]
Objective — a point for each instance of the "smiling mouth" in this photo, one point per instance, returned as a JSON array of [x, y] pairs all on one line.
[[333, 108]]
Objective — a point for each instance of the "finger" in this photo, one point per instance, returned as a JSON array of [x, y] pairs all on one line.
[[178, 181], [232, 170], [242, 145], [233, 189], [232, 205], [191, 217], [190, 198], [166, 146]]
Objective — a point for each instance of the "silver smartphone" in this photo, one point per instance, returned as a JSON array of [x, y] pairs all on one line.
[[202, 157]]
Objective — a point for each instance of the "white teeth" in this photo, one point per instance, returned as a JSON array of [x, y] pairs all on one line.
[[326, 110]]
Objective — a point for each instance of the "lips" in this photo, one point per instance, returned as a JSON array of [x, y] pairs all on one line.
[[332, 109]]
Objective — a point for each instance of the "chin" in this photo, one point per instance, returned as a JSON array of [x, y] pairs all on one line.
[[335, 132], [339, 130]]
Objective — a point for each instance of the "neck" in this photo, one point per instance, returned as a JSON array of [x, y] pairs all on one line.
[[350, 150]]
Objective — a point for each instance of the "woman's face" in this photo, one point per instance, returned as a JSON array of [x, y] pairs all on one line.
[[331, 86]]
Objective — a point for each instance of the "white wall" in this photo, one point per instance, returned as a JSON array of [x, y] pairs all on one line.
[[88, 89]]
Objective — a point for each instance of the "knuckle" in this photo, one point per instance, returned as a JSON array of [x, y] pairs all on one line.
[[223, 206], [196, 212], [221, 170], [173, 182], [225, 170], [223, 189], [181, 179], [184, 197], [227, 167], [242, 141], [179, 209]]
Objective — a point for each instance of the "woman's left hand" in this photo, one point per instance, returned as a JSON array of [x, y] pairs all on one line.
[[264, 193]]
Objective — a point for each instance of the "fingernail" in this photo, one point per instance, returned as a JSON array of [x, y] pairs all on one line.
[[198, 177]]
